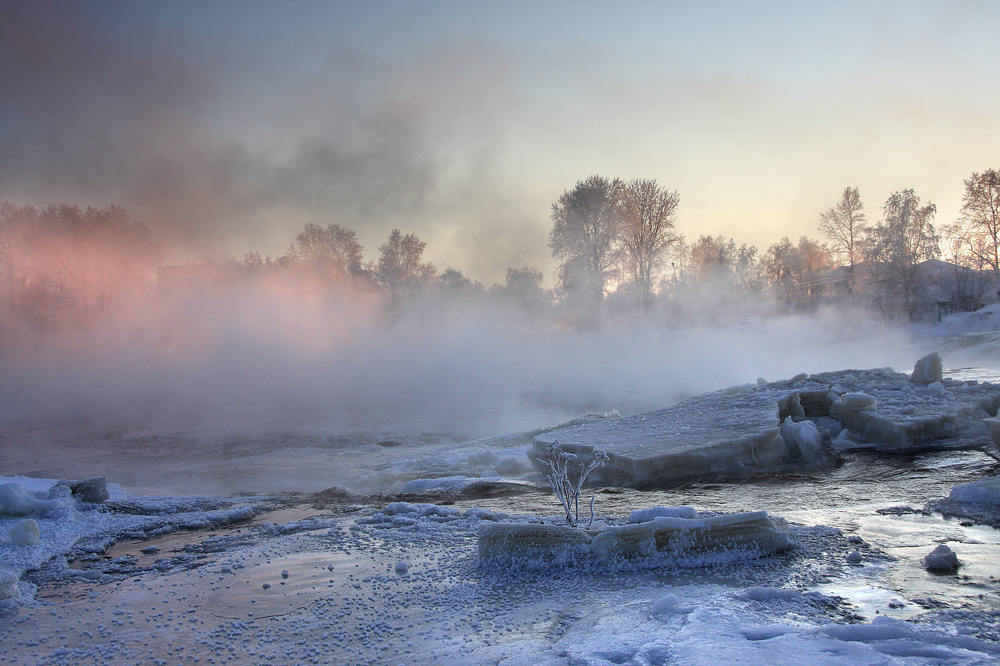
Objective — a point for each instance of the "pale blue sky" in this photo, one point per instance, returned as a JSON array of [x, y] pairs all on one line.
[[464, 121]]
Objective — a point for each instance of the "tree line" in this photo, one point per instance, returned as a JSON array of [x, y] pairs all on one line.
[[616, 242]]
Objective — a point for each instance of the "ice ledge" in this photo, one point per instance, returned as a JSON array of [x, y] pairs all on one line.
[[782, 427]]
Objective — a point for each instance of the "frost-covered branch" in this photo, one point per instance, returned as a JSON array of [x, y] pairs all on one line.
[[566, 491]]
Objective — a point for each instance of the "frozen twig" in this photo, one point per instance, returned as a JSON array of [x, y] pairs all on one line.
[[566, 491]]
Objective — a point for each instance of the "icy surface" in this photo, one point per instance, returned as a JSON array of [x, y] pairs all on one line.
[[765, 429], [357, 588], [978, 501], [60, 526]]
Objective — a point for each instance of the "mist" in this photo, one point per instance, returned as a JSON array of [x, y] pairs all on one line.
[[279, 352]]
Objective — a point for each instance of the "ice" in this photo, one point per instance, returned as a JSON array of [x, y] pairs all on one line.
[[57, 526], [696, 541], [928, 369], [783, 426], [25, 533], [858, 401], [771, 594], [941, 558], [984, 491], [646, 515], [910, 416], [717, 435], [666, 603], [978, 501], [442, 484], [16, 500]]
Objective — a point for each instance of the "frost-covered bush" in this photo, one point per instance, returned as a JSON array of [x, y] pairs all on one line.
[[563, 465]]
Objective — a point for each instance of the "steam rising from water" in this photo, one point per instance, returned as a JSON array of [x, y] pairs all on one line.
[[270, 352]]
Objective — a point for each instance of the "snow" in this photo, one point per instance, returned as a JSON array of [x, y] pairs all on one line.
[[646, 515], [373, 581], [58, 526]]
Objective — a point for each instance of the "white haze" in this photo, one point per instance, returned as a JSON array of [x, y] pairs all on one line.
[[251, 357]]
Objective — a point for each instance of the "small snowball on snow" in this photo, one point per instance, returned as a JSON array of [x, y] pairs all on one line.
[[666, 603], [402, 567], [941, 558], [761, 381], [25, 533], [850, 380], [646, 515], [858, 400], [854, 557]]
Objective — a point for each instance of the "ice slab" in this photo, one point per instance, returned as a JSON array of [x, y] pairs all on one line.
[[765, 429], [535, 545], [730, 434], [909, 416], [978, 501]]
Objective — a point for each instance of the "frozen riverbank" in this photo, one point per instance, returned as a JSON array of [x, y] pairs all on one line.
[[370, 586]]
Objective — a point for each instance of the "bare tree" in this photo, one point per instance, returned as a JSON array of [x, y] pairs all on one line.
[[524, 286], [844, 226], [400, 268], [981, 216], [648, 213], [332, 248], [586, 235], [895, 247], [16, 225]]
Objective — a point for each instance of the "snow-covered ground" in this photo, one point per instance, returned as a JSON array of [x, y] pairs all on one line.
[[314, 579]]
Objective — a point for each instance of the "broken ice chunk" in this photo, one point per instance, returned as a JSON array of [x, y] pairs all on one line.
[[928, 370], [941, 558], [25, 533], [858, 400]]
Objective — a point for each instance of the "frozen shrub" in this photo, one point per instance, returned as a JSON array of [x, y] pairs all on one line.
[[563, 465]]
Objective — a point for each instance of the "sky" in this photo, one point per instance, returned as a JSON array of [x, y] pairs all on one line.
[[226, 125]]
